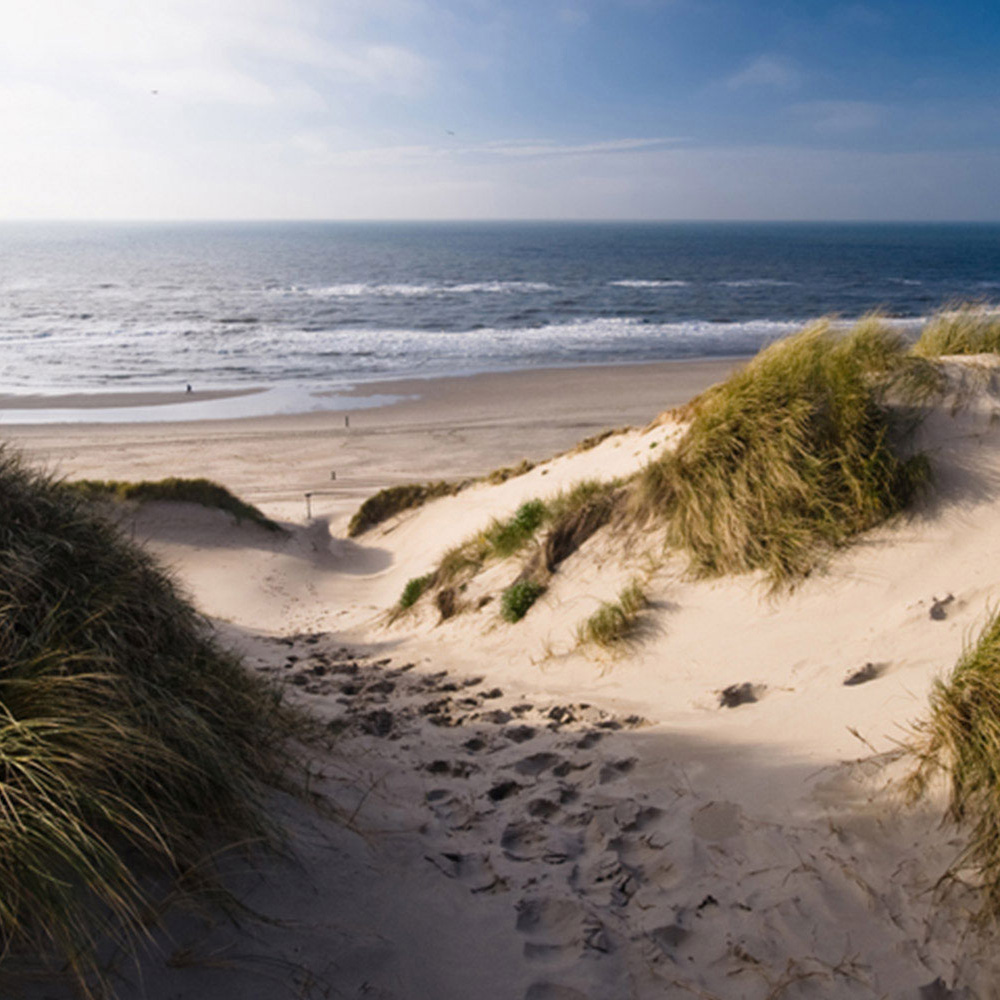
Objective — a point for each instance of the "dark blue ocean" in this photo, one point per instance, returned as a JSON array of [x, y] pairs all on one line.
[[333, 304]]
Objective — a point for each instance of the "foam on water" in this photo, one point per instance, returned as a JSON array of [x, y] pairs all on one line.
[[643, 283], [91, 307]]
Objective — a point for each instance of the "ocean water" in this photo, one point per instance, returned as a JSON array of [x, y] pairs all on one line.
[[133, 306]]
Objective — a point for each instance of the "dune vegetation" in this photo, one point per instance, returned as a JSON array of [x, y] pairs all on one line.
[[199, 491], [964, 329], [394, 500], [792, 455], [615, 621], [132, 746], [961, 738]]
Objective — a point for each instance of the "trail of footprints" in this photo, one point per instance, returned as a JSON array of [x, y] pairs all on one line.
[[520, 798], [528, 801]]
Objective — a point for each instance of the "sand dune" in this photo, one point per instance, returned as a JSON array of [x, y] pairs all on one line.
[[523, 818]]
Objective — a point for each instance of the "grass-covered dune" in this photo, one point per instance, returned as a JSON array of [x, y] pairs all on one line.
[[199, 491], [792, 455], [131, 744]]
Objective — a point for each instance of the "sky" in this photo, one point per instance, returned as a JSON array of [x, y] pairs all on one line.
[[500, 109]]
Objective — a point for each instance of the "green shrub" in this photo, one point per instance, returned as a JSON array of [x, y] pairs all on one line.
[[414, 589], [131, 744], [518, 598], [965, 329], [200, 491], [790, 456]]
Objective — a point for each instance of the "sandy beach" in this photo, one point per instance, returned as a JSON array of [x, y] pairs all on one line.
[[716, 812]]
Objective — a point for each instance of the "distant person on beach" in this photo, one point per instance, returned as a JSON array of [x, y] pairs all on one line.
[[189, 387]]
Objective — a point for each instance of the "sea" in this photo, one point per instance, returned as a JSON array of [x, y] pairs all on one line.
[[130, 306]]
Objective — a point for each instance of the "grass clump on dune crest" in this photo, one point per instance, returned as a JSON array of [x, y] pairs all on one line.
[[173, 489], [962, 739], [131, 745], [965, 329], [790, 456], [394, 500]]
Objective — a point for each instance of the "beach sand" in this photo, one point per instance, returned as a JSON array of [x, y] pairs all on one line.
[[521, 818]]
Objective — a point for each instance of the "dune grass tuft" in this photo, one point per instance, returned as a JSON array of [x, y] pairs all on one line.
[[501, 475], [614, 621], [790, 456], [518, 598], [498, 540], [131, 744], [962, 739], [414, 589], [395, 499], [964, 329], [200, 491]]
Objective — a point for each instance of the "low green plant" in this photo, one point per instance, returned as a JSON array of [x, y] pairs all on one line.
[[510, 536], [395, 499], [963, 329], [498, 540], [614, 621], [518, 598], [961, 738], [414, 590], [132, 746], [173, 489], [792, 455]]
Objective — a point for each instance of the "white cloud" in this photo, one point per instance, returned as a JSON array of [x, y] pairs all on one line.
[[766, 71], [840, 117], [387, 67], [337, 150], [546, 148], [32, 114], [222, 51]]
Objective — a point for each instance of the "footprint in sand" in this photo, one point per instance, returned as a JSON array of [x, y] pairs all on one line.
[[556, 926], [536, 764], [472, 870]]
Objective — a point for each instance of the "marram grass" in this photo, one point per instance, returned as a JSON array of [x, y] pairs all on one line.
[[199, 491], [131, 745], [614, 622], [964, 329], [961, 737], [791, 456], [394, 500]]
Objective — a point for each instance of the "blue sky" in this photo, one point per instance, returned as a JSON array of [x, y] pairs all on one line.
[[503, 109]]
